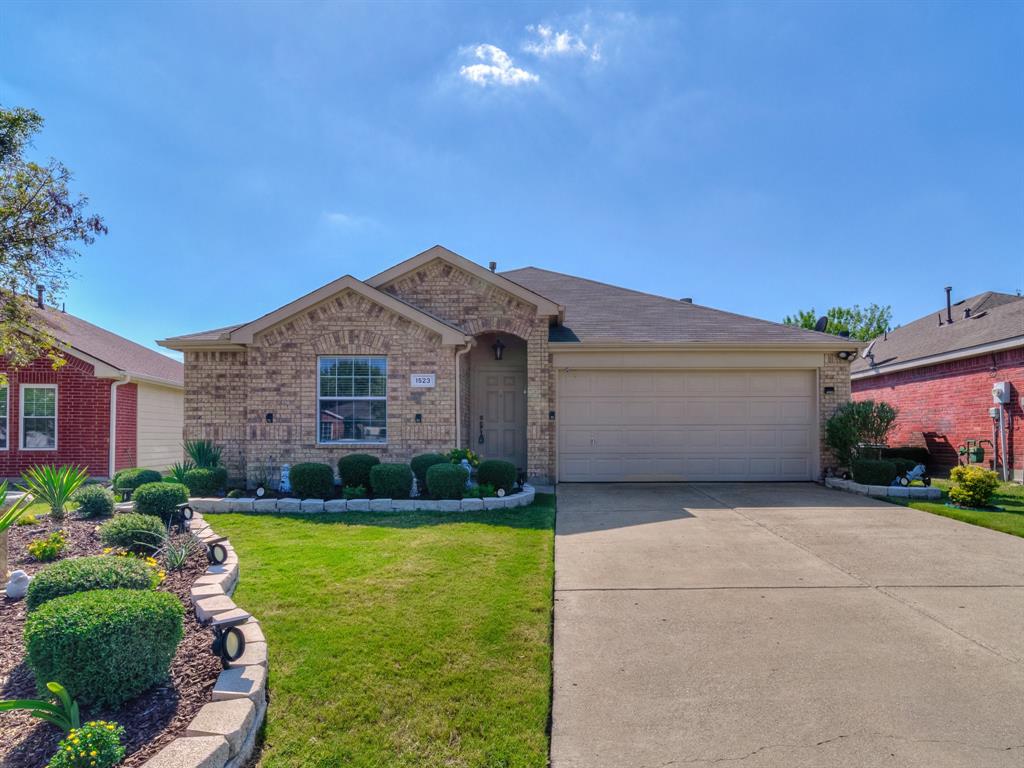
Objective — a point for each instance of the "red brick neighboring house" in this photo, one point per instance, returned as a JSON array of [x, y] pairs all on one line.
[[939, 372], [64, 416]]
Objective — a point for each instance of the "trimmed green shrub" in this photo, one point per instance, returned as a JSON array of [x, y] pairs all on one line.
[[105, 646], [160, 499], [857, 423], [48, 549], [312, 480], [130, 479], [206, 481], [94, 501], [97, 744], [236, 493], [446, 481], [354, 492], [500, 474], [391, 481], [80, 574], [420, 464], [354, 469], [134, 532], [874, 471], [973, 486]]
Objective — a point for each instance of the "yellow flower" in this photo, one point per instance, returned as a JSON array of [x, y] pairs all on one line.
[[110, 727], [93, 753]]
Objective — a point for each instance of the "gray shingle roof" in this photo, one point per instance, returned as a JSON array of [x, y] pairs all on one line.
[[116, 351], [598, 312], [994, 317]]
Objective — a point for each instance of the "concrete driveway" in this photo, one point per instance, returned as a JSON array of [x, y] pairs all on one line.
[[781, 625]]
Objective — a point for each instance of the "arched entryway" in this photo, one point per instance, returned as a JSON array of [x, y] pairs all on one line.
[[497, 412]]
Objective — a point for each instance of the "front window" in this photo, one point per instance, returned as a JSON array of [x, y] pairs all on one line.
[[352, 399], [4, 400], [39, 417]]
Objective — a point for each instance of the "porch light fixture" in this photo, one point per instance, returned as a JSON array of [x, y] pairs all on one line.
[[844, 355], [499, 349]]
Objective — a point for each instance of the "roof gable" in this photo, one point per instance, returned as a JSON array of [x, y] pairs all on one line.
[[545, 306], [246, 333]]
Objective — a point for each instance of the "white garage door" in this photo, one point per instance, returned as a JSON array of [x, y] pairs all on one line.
[[686, 425]]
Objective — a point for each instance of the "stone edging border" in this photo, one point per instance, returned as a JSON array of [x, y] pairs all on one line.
[[882, 491], [223, 733], [319, 506]]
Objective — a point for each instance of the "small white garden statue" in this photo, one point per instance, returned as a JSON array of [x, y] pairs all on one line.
[[286, 483], [469, 472], [17, 585]]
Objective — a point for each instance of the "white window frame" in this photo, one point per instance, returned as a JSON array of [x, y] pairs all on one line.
[[369, 398], [21, 417], [7, 411]]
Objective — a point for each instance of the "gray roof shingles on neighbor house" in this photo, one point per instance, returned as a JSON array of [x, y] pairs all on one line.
[[597, 312], [988, 318], [114, 350]]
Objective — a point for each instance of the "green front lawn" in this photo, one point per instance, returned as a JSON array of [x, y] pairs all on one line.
[[403, 639], [1009, 498]]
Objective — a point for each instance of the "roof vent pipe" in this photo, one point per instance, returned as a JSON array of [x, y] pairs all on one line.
[[39, 294], [967, 313], [493, 266], [949, 306], [687, 300]]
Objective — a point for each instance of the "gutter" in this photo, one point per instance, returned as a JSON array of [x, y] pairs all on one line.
[[113, 421], [945, 357], [458, 391]]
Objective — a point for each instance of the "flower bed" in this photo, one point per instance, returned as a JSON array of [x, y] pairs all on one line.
[[882, 491]]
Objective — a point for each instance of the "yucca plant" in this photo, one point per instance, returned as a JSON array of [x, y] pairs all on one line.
[[9, 517], [203, 453], [177, 471], [53, 486], [62, 713]]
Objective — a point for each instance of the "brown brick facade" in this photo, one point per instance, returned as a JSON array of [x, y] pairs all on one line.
[[835, 374]]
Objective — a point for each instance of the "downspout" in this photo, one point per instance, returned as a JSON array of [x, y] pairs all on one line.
[[113, 423], [458, 391]]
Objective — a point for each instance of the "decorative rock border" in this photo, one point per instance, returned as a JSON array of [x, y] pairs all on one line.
[[882, 491], [331, 506], [223, 733]]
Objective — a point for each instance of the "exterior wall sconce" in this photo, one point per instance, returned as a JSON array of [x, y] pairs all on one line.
[[844, 355], [499, 349]]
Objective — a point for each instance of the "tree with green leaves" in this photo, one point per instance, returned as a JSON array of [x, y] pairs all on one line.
[[42, 225], [864, 324]]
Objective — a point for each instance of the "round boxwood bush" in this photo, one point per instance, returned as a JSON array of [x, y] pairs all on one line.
[[203, 481], [130, 479], [80, 574], [500, 474], [311, 480], [446, 481], [354, 469], [420, 464], [874, 471], [391, 481], [134, 532], [160, 499], [972, 486], [94, 501], [105, 646]]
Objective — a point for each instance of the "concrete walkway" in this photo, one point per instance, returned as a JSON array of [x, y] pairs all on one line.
[[781, 625]]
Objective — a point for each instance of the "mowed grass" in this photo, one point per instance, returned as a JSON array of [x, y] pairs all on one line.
[[403, 639], [1008, 519]]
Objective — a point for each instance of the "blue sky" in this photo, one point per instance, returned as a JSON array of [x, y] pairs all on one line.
[[758, 157]]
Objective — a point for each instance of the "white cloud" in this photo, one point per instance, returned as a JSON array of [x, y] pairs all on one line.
[[496, 68], [548, 43]]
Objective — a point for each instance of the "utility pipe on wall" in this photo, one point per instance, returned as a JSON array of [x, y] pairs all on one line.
[[458, 392], [113, 423]]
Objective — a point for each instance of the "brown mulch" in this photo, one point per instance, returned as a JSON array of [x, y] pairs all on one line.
[[152, 719]]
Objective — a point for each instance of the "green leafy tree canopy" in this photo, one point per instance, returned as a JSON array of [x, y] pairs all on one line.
[[42, 224], [864, 324]]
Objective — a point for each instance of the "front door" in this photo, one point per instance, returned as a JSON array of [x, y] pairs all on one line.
[[499, 416]]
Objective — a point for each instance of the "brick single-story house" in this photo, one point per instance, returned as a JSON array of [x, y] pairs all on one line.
[[939, 372], [570, 379], [113, 404]]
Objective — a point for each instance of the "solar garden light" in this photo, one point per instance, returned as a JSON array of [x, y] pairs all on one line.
[[228, 640], [181, 520], [216, 552]]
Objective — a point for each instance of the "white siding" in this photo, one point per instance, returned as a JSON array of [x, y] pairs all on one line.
[[161, 420]]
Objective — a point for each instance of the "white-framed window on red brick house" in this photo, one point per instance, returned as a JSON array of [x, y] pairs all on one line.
[[38, 417], [5, 405], [352, 399]]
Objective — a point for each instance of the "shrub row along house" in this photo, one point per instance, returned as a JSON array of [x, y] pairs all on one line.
[[939, 372], [567, 378], [113, 404]]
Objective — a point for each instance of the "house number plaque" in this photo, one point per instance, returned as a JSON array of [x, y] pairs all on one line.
[[423, 379]]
